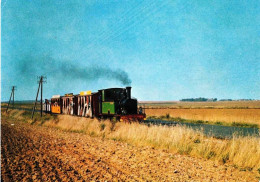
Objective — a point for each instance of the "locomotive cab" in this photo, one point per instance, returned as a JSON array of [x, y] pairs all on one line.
[[118, 102]]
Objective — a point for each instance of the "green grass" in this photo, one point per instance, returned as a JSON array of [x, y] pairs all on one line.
[[247, 125], [219, 123]]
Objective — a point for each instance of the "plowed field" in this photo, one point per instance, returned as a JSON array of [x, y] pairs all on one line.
[[37, 153]]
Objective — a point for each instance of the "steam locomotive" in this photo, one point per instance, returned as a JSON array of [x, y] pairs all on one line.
[[106, 103]]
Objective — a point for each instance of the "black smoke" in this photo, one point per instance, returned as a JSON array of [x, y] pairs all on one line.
[[69, 71]]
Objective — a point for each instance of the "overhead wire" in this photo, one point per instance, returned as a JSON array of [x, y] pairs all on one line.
[[132, 23]]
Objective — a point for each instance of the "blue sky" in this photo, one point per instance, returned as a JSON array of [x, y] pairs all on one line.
[[169, 49]]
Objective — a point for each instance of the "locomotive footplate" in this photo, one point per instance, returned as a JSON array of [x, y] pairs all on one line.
[[133, 117]]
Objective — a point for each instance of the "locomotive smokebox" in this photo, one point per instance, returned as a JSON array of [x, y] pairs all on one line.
[[128, 92]]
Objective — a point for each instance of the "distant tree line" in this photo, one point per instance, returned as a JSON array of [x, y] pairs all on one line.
[[200, 99], [237, 100], [225, 100]]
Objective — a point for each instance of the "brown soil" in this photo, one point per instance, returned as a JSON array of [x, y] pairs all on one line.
[[36, 153]]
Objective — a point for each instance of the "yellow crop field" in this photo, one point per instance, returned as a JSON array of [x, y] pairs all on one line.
[[206, 105], [251, 116]]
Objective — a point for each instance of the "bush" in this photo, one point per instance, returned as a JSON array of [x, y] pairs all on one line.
[[102, 126]]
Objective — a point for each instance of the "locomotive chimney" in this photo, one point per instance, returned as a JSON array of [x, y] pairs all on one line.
[[128, 92]]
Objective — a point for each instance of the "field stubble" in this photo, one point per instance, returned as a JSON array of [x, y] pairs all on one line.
[[227, 116]]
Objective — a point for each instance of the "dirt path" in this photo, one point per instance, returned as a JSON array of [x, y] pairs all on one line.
[[34, 153]]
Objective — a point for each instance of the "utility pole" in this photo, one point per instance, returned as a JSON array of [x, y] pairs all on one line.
[[41, 97], [42, 79], [12, 94], [13, 88]]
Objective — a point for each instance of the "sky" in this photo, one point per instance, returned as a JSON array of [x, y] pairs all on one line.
[[166, 50]]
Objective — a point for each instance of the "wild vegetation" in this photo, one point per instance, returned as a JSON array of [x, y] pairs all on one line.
[[242, 152]]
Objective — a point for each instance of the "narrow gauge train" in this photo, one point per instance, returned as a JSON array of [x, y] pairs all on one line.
[[106, 103]]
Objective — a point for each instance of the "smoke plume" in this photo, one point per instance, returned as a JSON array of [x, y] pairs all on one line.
[[68, 71]]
